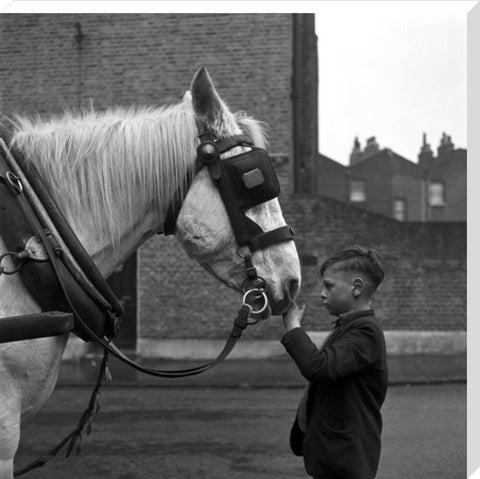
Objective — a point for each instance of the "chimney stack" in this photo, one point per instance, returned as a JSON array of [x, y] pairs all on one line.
[[356, 154], [425, 157], [446, 147], [371, 147]]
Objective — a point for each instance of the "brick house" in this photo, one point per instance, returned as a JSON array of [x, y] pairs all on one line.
[[446, 180], [380, 180], [388, 184], [332, 178], [265, 64]]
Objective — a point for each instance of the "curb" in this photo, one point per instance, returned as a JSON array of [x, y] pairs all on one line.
[[282, 373]]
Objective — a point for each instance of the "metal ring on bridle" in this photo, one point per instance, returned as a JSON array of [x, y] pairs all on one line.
[[14, 182], [16, 267], [239, 254], [262, 293]]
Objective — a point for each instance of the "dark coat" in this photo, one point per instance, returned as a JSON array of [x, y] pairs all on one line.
[[348, 384]]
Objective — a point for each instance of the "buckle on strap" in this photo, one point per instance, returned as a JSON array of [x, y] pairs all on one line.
[[241, 321], [13, 182]]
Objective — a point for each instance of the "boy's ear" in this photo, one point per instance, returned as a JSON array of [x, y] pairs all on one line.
[[357, 287]]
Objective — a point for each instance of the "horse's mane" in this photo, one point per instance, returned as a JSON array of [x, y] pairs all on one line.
[[112, 163]]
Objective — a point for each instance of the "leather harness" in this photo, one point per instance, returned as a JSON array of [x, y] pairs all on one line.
[[70, 281], [57, 271]]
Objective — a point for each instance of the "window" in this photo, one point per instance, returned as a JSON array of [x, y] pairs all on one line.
[[400, 209], [436, 193], [357, 191]]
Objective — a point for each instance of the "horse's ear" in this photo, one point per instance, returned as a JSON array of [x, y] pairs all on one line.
[[205, 99]]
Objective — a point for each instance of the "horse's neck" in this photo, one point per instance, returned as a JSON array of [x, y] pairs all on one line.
[[108, 257], [108, 253]]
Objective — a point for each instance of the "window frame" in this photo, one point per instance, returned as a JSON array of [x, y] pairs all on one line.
[[442, 201], [362, 193], [404, 211]]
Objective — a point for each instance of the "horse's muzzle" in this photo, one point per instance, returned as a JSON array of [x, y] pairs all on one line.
[[292, 287]]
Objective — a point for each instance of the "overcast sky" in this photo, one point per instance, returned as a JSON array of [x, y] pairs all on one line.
[[392, 70]]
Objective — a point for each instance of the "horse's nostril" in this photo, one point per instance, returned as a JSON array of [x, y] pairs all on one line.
[[293, 288]]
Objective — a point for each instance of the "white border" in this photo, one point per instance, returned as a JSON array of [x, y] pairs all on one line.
[[473, 157], [246, 6]]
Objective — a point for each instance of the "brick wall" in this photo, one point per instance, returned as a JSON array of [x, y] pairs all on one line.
[[149, 59], [424, 289], [425, 263]]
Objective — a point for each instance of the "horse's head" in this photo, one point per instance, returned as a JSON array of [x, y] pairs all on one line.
[[203, 225]]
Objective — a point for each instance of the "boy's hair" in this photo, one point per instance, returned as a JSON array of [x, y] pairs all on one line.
[[358, 259]]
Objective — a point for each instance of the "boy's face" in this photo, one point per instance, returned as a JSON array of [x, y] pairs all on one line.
[[338, 293]]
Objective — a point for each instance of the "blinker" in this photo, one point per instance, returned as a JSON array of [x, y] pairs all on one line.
[[253, 178]]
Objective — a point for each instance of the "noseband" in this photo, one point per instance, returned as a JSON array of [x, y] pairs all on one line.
[[243, 181]]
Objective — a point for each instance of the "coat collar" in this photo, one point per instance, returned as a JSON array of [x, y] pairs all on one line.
[[351, 315]]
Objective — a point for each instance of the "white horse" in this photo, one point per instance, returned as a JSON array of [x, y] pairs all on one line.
[[114, 175]]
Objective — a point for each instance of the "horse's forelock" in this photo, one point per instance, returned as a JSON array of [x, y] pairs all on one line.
[[254, 129]]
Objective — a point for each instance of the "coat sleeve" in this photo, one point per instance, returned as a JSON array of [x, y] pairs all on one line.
[[355, 350]]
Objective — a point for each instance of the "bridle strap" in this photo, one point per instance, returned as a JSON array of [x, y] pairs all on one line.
[[284, 233]]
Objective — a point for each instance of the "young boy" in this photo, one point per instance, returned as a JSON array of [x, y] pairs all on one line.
[[338, 424]]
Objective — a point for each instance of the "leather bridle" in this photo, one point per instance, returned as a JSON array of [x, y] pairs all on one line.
[[243, 181]]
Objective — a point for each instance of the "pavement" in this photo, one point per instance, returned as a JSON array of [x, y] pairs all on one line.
[[234, 433], [403, 369]]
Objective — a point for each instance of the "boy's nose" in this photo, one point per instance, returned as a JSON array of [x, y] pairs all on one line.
[[323, 294]]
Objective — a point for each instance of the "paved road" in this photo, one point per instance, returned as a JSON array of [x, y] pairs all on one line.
[[236, 433]]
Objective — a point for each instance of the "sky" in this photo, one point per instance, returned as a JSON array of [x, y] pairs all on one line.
[[392, 70]]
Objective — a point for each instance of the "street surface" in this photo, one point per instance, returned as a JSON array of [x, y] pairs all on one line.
[[235, 433]]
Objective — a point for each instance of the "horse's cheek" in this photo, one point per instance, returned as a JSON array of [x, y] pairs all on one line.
[[193, 237]]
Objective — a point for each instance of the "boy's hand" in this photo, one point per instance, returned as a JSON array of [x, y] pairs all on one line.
[[293, 317]]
